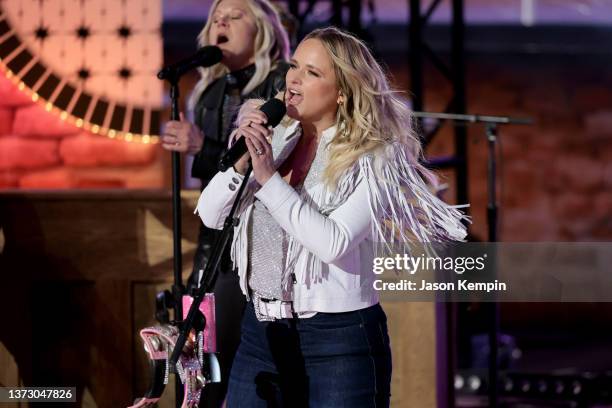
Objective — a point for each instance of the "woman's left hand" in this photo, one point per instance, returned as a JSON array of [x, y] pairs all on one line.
[[260, 151]]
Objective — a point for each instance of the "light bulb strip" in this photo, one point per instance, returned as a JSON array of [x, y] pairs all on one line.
[[76, 121]]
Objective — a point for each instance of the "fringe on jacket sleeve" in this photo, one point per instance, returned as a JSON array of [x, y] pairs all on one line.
[[403, 209]]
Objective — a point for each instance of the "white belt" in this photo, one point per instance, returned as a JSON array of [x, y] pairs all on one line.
[[272, 309]]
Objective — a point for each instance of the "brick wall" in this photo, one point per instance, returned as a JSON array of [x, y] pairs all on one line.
[[555, 175], [39, 150]]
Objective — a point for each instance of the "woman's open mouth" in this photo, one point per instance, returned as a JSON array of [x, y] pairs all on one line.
[[293, 96], [222, 39]]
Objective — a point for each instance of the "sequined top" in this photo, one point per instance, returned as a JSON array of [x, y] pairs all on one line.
[[315, 173], [268, 242], [267, 252]]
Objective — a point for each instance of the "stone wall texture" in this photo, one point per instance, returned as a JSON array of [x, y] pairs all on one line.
[[555, 176], [40, 151]]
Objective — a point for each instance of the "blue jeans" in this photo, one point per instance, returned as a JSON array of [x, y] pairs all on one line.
[[329, 360]]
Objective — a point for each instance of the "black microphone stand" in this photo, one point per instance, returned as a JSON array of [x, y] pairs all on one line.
[[211, 270], [491, 129], [210, 273], [206, 56], [178, 289], [492, 221]]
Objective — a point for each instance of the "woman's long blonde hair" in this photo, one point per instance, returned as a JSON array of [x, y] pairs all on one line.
[[271, 46], [372, 115]]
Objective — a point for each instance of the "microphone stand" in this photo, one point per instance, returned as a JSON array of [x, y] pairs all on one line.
[[178, 289], [491, 129], [210, 273], [204, 57], [212, 266], [497, 120], [492, 221]]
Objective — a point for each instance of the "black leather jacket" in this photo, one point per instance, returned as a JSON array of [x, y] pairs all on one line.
[[207, 114]]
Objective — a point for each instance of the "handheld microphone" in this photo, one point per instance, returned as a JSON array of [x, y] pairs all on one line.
[[274, 110], [204, 57]]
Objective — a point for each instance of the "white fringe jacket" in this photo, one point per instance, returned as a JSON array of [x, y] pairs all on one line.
[[334, 233]]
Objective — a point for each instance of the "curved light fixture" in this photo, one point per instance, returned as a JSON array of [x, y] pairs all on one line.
[[71, 102]]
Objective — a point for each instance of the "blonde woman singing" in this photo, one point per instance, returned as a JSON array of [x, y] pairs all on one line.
[[340, 175]]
